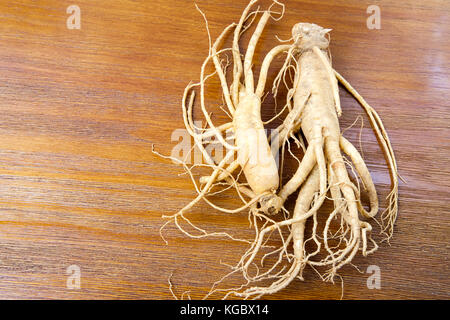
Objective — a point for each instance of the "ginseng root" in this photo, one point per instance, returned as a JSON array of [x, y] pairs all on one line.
[[322, 170], [251, 151]]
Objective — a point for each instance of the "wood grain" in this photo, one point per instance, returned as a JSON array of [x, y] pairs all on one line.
[[80, 110]]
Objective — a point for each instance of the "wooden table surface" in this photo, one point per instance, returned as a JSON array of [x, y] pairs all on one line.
[[80, 109]]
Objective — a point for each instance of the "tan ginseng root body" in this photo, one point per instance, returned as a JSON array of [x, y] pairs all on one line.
[[254, 153], [315, 111], [250, 153]]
